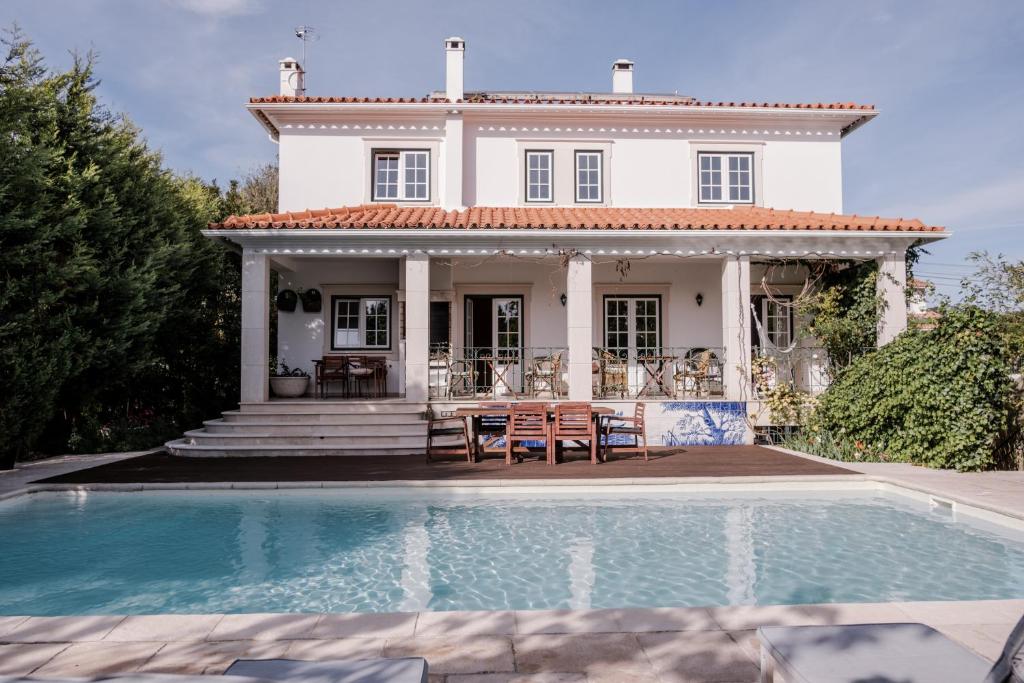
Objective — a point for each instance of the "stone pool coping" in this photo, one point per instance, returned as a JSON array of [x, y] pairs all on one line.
[[636, 644]]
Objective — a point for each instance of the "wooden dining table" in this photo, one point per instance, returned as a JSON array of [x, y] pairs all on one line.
[[476, 413]]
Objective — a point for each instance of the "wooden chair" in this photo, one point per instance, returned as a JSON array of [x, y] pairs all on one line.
[[331, 369], [634, 426], [574, 422], [528, 422], [489, 430], [360, 374], [447, 429]]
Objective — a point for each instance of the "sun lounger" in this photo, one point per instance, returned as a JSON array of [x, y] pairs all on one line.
[[881, 653], [407, 670]]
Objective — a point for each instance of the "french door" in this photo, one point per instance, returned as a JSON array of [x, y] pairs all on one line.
[[632, 329], [507, 342]]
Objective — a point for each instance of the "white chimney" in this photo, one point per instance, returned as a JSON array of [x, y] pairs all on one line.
[[455, 50], [293, 82], [622, 76]]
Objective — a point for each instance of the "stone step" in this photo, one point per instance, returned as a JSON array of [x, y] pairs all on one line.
[[181, 448], [383, 441], [342, 419], [284, 427], [315, 407]]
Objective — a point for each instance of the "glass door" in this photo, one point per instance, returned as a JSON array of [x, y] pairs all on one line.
[[632, 330], [507, 342]]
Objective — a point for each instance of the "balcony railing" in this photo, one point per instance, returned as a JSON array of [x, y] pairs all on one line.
[[805, 369], [666, 373], [481, 372]]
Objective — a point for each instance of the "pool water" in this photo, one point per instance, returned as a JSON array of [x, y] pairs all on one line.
[[377, 551]]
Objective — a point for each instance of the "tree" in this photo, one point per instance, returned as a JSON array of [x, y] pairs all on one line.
[[118, 319]]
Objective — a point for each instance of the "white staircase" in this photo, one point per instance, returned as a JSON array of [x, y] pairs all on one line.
[[310, 427]]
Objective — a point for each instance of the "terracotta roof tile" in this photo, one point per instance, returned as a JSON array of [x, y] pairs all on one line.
[[568, 218]]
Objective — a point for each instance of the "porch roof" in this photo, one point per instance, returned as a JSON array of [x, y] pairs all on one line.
[[385, 216]]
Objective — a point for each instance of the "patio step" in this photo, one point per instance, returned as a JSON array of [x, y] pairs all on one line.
[[314, 406], [234, 417], [310, 427], [379, 440], [181, 448], [282, 426]]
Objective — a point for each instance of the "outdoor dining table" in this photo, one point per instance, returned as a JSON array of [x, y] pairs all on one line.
[[655, 367], [475, 413]]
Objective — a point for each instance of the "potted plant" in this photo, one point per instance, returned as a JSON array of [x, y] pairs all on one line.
[[286, 382], [311, 300], [286, 300]]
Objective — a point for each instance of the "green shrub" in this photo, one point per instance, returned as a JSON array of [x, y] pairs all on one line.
[[826, 445], [940, 398]]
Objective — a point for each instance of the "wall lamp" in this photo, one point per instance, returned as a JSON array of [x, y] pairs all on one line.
[[700, 299], [563, 298]]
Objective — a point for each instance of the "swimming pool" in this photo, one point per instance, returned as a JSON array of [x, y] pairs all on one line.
[[381, 550]]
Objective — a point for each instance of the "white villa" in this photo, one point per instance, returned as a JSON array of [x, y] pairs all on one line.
[[607, 247]]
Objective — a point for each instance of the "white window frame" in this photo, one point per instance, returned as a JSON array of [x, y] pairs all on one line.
[[725, 185], [599, 154], [540, 153], [783, 313], [631, 301], [363, 300], [401, 190]]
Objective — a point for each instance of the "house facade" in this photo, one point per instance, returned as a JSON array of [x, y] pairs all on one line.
[[591, 246]]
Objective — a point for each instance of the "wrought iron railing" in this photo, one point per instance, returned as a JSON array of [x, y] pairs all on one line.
[[485, 372], [807, 369], [664, 372]]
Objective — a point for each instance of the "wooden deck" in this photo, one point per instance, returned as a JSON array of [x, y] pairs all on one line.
[[693, 461]]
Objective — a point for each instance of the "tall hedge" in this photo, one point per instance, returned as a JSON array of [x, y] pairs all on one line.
[[940, 398], [118, 320]]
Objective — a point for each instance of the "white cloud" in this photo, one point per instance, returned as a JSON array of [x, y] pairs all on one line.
[[220, 8]]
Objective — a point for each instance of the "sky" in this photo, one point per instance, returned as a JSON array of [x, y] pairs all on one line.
[[946, 75]]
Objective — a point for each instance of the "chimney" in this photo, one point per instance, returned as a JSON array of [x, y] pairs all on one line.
[[622, 76], [293, 82], [455, 50]]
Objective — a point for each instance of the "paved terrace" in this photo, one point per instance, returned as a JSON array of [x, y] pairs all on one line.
[[665, 644]]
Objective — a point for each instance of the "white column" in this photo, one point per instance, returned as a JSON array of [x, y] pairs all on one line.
[[736, 327], [579, 311], [255, 327], [452, 198], [892, 287], [417, 325]]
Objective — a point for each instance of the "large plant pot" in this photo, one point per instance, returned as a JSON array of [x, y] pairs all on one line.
[[289, 387]]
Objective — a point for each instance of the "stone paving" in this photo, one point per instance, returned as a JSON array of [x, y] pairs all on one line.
[[662, 645]]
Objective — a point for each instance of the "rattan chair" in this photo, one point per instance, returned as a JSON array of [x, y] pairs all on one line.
[[545, 374], [614, 375]]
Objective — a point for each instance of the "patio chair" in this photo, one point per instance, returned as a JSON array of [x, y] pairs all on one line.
[[453, 431], [908, 653], [545, 374], [404, 670], [574, 422], [331, 369], [490, 430], [528, 422], [628, 426], [614, 375], [694, 373], [461, 378]]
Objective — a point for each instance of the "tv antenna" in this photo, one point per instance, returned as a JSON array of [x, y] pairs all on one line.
[[307, 34]]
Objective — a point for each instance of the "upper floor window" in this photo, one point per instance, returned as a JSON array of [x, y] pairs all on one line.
[[588, 177], [727, 178], [538, 176], [401, 175]]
